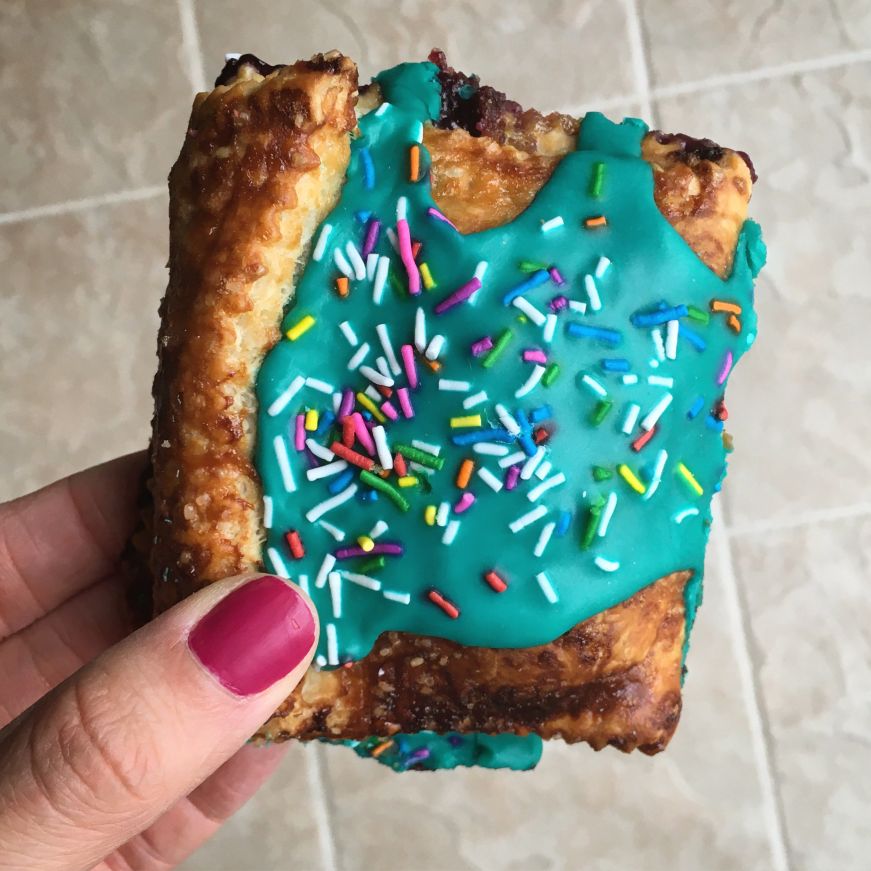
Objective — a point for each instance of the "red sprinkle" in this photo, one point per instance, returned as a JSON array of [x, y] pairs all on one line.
[[348, 433], [399, 465], [540, 435], [294, 542], [643, 439], [495, 582], [415, 249], [447, 606], [722, 414], [351, 456]]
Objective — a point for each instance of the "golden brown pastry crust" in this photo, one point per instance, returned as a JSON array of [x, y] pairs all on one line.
[[262, 164]]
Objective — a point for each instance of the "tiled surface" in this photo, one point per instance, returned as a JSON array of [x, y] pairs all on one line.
[[770, 767]]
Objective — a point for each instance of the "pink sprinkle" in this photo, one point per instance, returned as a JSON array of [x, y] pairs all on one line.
[[435, 213], [556, 276], [534, 355], [410, 365], [388, 410], [481, 346], [407, 256], [363, 435], [405, 402], [371, 237], [465, 502], [347, 404], [558, 303], [299, 435], [511, 477], [726, 368], [461, 294]]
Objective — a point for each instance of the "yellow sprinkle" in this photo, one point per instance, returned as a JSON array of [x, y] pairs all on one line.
[[466, 420], [369, 405], [630, 478], [425, 274], [311, 419], [429, 515], [407, 481], [300, 327], [690, 478], [366, 543]]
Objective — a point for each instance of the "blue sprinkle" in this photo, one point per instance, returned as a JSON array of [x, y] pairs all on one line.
[[712, 423], [455, 740], [368, 495], [368, 169], [582, 331], [367, 415], [341, 481], [528, 445], [483, 435], [718, 486], [534, 280], [325, 422], [563, 523], [522, 421], [651, 319], [543, 412], [363, 215], [696, 407], [693, 338], [615, 364]]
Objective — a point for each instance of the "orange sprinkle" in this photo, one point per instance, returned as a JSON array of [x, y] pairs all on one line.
[[434, 365], [415, 249], [465, 473], [720, 305], [342, 285], [414, 155], [445, 604], [381, 748], [734, 323], [597, 221]]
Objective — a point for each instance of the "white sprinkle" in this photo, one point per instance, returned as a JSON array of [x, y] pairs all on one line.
[[417, 135], [267, 512], [578, 306], [527, 519], [402, 598], [282, 400], [434, 348], [480, 272], [343, 266], [672, 328], [475, 399], [278, 565], [512, 459], [680, 516], [382, 108], [317, 384], [631, 418], [429, 447], [326, 471], [402, 209], [335, 581], [552, 224], [391, 238], [547, 588], [321, 245], [359, 356], [389, 352], [332, 645], [507, 419], [536, 316], [326, 567], [284, 464], [384, 456], [356, 261], [380, 279], [490, 449], [660, 381], [337, 402], [329, 504], [378, 529], [607, 513], [607, 565], [319, 450], [338, 534], [531, 383], [653, 363], [442, 514], [383, 368], [532, 463], [423, 470], [630, 379], [371, 264], [592, 293], [656, 478], [376, 377], [544, 538], [543, 470], [489, 479], [420, 330], [362, 581], [457, 386], [656, 335], [349, 334], [549, 328], [320, 660], [373, 394], [302, 580], [594, 385], [602, 266], [451, 532], [536, 492], [231, 55], [649, 422]]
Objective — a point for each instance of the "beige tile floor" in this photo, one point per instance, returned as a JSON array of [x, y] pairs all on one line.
[[771, 766]]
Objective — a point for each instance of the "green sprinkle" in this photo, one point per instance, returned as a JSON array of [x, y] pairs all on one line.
[[592, 523], [388, 490], [550, 374], [372, 565], [395, 283], [418, 456], [600, 473], [531, 266], [499, 346], [600, 412], [597, 179], [698, 314]]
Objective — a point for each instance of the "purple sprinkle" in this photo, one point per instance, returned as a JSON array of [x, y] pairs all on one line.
[[387, 548], [420, 755], [347, 404], [558, 303], [481, 346], [556, 276], [534, 355], [511, 477], [311, 459], [371, 240], [461, 294], [435, 213]]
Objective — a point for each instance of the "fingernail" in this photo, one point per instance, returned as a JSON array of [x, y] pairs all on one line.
[[255, 636]]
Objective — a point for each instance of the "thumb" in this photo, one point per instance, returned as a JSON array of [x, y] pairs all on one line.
[[104, 755]]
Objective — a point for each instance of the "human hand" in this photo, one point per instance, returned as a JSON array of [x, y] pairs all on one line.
[[130, 756]]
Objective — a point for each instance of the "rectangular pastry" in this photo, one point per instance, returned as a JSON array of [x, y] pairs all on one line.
[[457, 369]]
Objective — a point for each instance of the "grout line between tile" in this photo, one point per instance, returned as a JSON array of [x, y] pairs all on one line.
[[320, 806], [190, 37], [752, 694], [638, 59], [53, 209], [808, 518]]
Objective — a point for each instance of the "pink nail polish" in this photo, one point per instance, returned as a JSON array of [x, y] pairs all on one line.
[[255, 636]]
